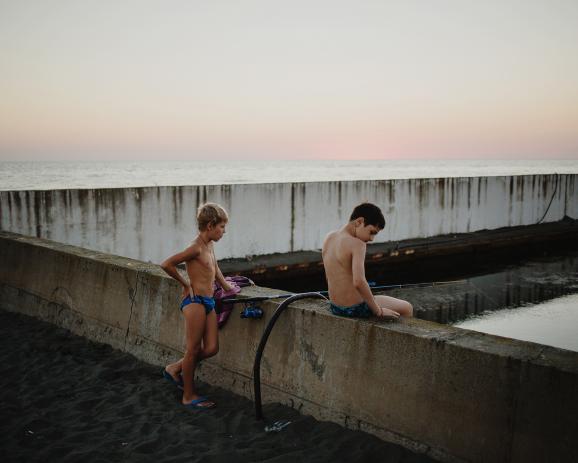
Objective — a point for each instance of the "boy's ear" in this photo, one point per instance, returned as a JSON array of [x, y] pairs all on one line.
[[360, 221]]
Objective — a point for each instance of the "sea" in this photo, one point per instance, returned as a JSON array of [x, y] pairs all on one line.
[[51, 175]]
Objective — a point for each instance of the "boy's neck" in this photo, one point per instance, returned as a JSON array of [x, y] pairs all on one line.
[[349, 228], [203, 236]]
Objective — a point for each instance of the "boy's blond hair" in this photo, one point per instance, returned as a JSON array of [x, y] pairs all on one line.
[[210, 214]]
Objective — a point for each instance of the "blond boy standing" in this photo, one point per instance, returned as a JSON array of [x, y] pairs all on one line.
[[197, 303]]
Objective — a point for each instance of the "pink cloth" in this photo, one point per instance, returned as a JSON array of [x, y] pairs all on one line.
[[224, 310]]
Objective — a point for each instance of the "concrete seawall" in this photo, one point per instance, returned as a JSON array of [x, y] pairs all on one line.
[[455, 394], [145, 223]]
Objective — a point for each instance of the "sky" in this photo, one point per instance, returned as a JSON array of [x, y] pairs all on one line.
[[268, 79]]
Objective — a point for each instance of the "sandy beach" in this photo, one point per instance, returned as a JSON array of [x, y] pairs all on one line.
[[66, 399]]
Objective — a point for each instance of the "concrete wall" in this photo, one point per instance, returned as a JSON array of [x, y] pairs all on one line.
[[152, 223], [454, 394]]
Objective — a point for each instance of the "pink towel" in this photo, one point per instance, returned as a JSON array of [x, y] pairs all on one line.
[[224, 310]]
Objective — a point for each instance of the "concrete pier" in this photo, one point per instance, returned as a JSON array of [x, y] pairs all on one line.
[[147, 223], [454, 394]]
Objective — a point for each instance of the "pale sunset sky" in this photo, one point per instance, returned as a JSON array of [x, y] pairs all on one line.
[[315, 79]]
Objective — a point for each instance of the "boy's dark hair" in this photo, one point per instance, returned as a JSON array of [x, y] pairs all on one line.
[[370, 213]]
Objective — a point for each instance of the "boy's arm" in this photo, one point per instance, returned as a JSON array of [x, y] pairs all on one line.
[[220, 278], [359, 281], [170, 266]]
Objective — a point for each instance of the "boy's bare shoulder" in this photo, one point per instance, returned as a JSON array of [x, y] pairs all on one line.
[[342, 240], [331, 234], [193, 250], [353, 243], [194, 245], [329, 238]]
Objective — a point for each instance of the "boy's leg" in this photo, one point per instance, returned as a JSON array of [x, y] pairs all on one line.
[[195, 320], [210, 337], [175, 369], [404, 308], [210, 345]]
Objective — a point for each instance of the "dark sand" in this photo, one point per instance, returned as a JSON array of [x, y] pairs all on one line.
[[66, 399]]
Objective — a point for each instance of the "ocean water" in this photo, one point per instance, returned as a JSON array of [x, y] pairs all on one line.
[[45, 175]]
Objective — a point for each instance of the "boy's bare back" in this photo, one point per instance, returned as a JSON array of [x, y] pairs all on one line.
[[337, 254], [344, 260]]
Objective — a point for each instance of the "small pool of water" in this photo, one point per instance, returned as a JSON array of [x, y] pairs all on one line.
[[554, 322]]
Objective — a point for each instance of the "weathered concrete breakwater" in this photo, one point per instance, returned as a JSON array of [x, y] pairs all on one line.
[[145, 223], [455, 394]]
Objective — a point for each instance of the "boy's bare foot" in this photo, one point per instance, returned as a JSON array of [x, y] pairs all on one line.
[[177, 379], [173, 372]]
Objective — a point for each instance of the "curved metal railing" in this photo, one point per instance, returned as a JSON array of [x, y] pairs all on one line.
[[263, 342]]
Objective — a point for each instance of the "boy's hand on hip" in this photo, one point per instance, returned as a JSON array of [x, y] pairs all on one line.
[[188, 290]]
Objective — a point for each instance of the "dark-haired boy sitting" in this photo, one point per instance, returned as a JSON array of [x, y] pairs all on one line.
[[344, 261]]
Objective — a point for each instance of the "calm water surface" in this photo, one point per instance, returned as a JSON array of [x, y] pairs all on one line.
[[554, 323], [44, 175]]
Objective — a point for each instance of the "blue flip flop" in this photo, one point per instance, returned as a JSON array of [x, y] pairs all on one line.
[[196, 404], [169, 378]]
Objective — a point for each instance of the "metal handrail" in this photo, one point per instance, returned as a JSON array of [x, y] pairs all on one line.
[[263, 342]]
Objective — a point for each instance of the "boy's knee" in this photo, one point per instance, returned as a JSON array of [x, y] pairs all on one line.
[[409, 309], [192, 352], [211, 351]]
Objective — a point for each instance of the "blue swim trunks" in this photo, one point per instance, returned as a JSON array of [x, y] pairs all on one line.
[[206, 301], [360, 310]]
